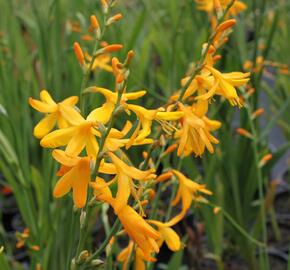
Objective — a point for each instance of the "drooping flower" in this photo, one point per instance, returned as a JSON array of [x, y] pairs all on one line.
[[194, 135], [188, 191], [53, 113], [136, 227], [167, 235], [75, 176], [125, 176]]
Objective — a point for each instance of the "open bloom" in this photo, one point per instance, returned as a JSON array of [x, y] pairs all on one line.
[[209, 6], [53, 113], [75, 175], [80, 134], [194, 135], [125, 176], [146, 118], [188, 191], [100, 62], [167, 235], [103, 113], [136, 227], [225, 84]]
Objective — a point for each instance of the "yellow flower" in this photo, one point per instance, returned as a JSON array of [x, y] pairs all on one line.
[[100, 62], [145, 121], [209, 6], [136, 227], [125, 255], [194, 136], [53, 113], [103, 113], [126, 174], [76, 177], [187, 192], [167, 234], [80, 134], [225, 84]]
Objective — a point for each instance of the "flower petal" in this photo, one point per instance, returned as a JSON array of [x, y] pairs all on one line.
[[45, 125], [57, 138]]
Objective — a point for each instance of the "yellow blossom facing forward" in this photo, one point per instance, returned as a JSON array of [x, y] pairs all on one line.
[[76, 176], [79, 135], [53, 113], [194, 135]]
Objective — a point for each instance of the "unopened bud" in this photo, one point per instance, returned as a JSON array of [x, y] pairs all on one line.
[[96, 262], [112, 48], [83, 256], [265, 159], [244, 133], [114, 18], [225, 25], [164, 176], [79, 53]]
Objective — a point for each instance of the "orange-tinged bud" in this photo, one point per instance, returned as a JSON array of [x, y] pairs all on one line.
[[244, 133], [217, 57], [144, 202], [35, 248], [257, 113], [79, 53], [164, 176], [113, 48], [104, 44], [112, 240], [250, 92], [94, 22], [216, 210], [151, 193], [170, 149], [87, 38], [284, 71], [117, 17], [145, 154], [226, 25], [265, 160]]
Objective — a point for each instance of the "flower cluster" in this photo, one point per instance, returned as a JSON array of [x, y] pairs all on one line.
[[91, 151]]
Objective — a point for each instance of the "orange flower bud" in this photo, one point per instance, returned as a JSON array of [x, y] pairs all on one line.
[[79, 53], [257, 113], [117, 17], [164, 176], [216, 210], [35, 248], [113, 48], [244, 133], [265, 159], [170, 149], [225, 25], [87, 38], [94, 22]]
